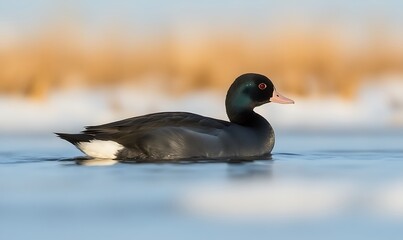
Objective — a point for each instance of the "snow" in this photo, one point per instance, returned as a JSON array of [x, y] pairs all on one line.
[[376, 106]]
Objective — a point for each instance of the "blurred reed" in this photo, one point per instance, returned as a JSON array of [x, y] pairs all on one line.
[[299, 61]]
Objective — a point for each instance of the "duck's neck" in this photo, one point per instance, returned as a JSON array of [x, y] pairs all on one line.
[[244, 115]]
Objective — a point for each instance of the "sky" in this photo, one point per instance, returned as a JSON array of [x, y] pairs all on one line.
[[143, 15]]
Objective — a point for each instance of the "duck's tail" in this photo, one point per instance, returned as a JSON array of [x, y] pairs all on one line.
[[91, 146], [75, 139]]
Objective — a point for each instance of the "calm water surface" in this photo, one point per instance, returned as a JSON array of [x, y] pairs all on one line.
[[331, 185]]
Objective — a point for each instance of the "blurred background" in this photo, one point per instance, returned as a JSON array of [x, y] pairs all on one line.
[[336, 171], [342, 57]]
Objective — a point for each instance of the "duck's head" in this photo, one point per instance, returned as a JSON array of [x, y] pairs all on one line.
[[249, 91]]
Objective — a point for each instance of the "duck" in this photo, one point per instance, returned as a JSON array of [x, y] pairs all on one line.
[[168, 136]]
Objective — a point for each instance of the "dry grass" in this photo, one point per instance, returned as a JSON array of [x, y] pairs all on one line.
[[299, 62]]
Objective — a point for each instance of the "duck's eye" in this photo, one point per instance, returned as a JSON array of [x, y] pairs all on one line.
[[262, 86]]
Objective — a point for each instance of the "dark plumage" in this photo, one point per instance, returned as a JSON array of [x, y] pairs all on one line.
[[181, 135]]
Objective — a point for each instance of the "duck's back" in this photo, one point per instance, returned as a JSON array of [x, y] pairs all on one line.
[[155, 121]]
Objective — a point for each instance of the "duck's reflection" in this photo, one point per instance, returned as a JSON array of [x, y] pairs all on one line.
[[250, 170], [247, 165], [96, 162]]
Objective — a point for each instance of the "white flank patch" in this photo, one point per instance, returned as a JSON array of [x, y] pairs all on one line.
[[100, 149]]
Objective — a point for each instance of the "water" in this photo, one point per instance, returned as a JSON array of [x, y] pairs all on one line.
[[324, 185]]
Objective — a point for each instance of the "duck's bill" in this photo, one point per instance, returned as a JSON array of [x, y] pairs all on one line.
[[278, 98]]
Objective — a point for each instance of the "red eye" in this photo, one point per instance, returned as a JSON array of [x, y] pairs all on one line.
[[262, 86]]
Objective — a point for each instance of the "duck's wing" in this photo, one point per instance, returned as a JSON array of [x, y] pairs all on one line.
[[155, 136], [148, 123]]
